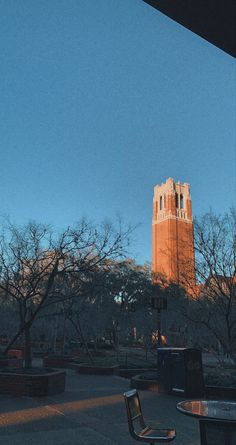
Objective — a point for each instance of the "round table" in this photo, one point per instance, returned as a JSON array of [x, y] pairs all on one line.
[[217, 420], [210, 409]]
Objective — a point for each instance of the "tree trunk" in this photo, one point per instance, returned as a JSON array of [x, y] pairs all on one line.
[[13, 340], [28, 356], [79, 332]]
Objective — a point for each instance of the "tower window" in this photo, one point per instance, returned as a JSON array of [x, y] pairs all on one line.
[[161, 203], [176, 200], [181, 201]]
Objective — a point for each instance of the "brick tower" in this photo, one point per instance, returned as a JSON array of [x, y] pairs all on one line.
[[172, 233]]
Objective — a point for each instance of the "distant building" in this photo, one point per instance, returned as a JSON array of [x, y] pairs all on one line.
[[172, 233]]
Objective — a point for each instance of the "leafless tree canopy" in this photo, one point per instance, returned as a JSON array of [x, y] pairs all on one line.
[[212, 303], [36, 264]]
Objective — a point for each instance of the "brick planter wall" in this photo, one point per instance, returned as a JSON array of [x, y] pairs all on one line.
[[17, 353], [211, 392], [17, 384], [97, 370], [131, 372], [220, 392], [57, 362], [10, 362]]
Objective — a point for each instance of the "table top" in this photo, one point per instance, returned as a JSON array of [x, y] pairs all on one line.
[[210, 409]]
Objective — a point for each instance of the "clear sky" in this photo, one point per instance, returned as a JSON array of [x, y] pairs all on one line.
[[102, 100]]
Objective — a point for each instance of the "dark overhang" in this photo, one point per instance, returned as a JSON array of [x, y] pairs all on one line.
[[214, 20]]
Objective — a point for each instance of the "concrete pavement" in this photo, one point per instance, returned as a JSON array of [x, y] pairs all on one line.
[[90, 412]]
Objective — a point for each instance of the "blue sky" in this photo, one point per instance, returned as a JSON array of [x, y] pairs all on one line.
[[99, 102]]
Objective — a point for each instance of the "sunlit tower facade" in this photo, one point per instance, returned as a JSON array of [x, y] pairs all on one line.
[[172, 233]]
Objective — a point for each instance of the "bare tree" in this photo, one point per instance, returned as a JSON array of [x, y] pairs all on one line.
[[115, 297], [211, 303], [35, 264], [128, 284]]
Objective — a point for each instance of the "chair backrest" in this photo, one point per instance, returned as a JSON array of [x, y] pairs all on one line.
[[217, 432], [134, 412]]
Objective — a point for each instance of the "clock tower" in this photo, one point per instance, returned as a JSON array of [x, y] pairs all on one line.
[[172, 233]]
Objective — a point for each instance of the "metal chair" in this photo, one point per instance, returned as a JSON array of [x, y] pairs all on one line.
[[137, 427], [217, 432]]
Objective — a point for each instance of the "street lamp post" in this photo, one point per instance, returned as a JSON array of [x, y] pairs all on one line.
[[159, 303]]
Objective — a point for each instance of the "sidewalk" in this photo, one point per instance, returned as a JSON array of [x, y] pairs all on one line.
[[90, 412]]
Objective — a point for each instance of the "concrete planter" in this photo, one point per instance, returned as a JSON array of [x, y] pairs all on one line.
[[32, 384], [139, 383]]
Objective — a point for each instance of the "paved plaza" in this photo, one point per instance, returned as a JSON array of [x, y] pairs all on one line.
[[90, 412]]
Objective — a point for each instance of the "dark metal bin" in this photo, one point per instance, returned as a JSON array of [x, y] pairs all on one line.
[[180, 371]]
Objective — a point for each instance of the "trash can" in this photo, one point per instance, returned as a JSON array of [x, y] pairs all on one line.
[[180, 371]]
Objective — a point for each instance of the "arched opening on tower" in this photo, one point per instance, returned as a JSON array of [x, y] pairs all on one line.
[[161, 203], [177, 200]]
